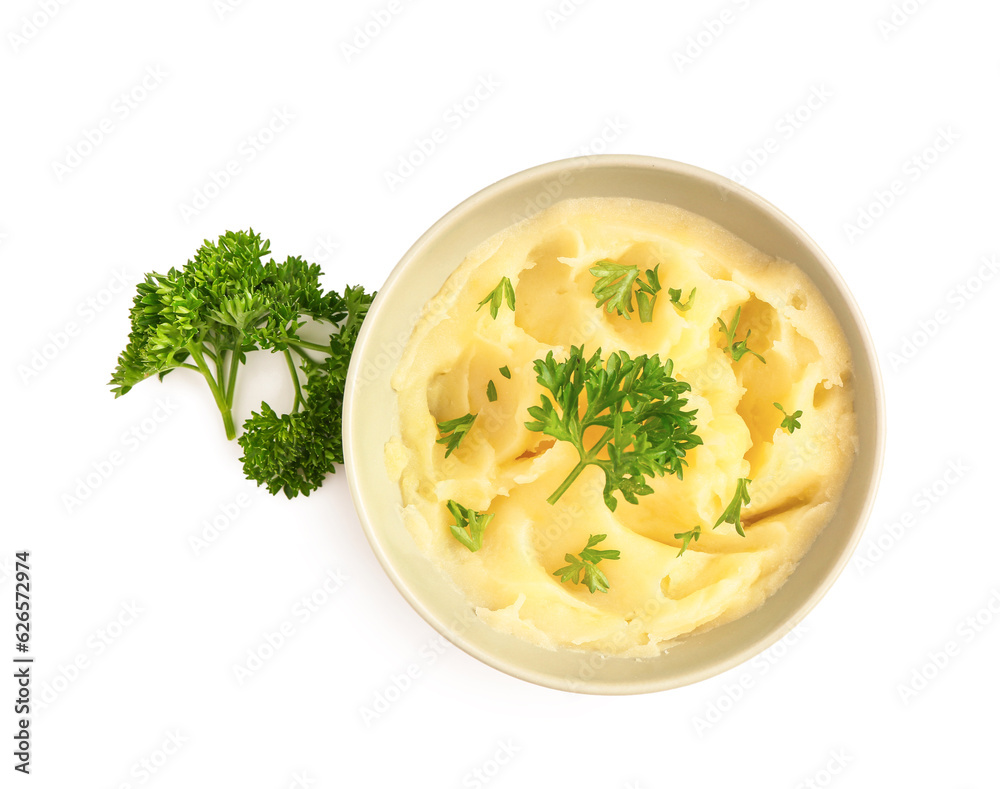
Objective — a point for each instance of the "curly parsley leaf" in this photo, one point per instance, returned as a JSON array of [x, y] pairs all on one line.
[[614, 288], [469, 525], [791, 421], [281, 452], [675, 298], [586, 565], [687, 536], [454, 430], [496, 297], [734, 348], [732, 512], [638, 404]]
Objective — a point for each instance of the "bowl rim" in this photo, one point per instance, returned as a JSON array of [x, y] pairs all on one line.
[[751, 648]]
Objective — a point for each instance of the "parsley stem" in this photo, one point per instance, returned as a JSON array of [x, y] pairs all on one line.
[[220, 400], [589, 459], [234, 365], [295, 380], [298, 349], [312, 346], [220, 368], [568, 481]]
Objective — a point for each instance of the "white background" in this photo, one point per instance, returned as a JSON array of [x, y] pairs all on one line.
[[892, 168]]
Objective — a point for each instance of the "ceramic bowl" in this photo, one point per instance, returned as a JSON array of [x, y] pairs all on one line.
[[369, 398]]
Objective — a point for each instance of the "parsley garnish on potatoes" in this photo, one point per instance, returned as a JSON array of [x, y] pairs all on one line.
[[734, 348], [586, 565], [732, 512], [453, 431], [613, 289], [497, 296], [469, 525], [638, 404], [791, 421]]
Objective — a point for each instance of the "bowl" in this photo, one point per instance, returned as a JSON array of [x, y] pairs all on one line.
[[420, 275]]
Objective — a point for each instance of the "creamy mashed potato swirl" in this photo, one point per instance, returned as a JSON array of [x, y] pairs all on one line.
[[502, 468]]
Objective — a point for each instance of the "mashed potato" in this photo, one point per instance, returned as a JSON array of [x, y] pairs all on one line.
[[502, 468]]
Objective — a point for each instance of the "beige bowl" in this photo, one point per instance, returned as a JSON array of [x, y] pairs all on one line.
[[369, 399]]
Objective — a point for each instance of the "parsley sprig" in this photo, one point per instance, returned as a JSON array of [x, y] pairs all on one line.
[[496, 297], [615, 284], [229, 300], [687, 536], [675, 298], [638, 404], [586, 565], [293, 452], [734, 348], [454, 430], [791, 421], [732, 512], [469, 525]]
